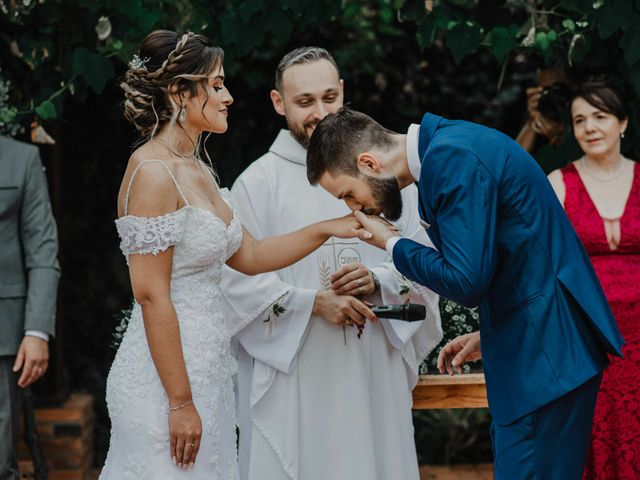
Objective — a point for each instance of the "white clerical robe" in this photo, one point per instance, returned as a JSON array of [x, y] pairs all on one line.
[[314, 401]]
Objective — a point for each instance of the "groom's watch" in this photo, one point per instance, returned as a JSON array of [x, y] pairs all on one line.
[[376, 282]]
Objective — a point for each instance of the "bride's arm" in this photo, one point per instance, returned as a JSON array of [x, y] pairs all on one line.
[[273, 253], [150, 280], [154, 195]]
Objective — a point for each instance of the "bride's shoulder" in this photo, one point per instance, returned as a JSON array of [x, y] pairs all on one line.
[[148, 187]]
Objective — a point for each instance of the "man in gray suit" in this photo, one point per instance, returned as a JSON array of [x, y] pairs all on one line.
[[29, 275]]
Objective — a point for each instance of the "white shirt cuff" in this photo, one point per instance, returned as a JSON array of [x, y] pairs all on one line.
[[390, 244], [37, 333]]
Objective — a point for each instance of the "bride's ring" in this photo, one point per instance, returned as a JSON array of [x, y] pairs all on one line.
[[359, 281], [348, 321], [189, 444]]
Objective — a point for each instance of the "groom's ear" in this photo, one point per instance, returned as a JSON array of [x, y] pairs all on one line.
[[368, 163], [278, 102]]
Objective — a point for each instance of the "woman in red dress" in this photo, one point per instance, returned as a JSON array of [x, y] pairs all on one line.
[[601, 195]]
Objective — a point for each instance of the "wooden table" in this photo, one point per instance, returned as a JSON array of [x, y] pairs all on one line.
[[444, 391]]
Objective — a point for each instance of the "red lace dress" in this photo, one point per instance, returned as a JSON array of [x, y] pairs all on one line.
[[614, 453]]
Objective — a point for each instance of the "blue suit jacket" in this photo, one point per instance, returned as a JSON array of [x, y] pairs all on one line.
[[504, 243]]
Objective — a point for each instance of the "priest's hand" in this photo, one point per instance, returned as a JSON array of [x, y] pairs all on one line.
[[379, 229], [341, 309], [462, 349], [353, 279]]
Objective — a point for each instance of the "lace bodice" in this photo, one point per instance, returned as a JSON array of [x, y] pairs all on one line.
[[151, 235]]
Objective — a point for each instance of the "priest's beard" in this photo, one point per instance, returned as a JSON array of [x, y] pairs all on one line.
[[299, 132], [386, 194]]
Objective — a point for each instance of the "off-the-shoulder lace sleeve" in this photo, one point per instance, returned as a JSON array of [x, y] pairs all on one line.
[[150, 235]]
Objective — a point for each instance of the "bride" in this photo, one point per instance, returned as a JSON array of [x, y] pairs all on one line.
[[169, 391]]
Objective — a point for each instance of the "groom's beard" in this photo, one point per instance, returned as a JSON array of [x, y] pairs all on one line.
[[386, 194], [300, 132]]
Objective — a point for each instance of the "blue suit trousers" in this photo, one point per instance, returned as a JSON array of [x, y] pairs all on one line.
[[549, 443]]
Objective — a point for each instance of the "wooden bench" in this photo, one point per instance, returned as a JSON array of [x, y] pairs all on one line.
[[460, 391], [443, 391]]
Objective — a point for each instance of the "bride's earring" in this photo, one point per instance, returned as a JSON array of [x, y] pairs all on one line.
[[183, 114], [621, 134]]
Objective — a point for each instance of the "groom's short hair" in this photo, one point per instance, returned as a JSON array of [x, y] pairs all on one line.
[[338, 140], [301, 56]]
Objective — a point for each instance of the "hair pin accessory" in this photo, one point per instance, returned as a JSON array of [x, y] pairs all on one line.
[[139, 63]]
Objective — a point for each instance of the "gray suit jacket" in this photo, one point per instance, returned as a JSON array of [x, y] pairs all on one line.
[[29, 269]]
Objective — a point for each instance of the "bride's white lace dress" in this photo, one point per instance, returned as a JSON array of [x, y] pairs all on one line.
[[138, 405]]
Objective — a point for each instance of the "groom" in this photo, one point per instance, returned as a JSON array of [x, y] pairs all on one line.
[[315, 401], [504, 243]]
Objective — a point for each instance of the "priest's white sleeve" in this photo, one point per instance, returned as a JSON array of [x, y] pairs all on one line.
[[415, 339], [269, 317], [274, 339]]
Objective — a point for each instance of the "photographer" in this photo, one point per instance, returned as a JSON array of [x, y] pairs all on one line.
[[546, 124]]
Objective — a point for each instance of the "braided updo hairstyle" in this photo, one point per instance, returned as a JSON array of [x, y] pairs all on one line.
[[166, 60]]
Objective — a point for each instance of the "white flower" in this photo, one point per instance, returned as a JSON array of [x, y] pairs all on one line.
[[103, 28], [529, 39]]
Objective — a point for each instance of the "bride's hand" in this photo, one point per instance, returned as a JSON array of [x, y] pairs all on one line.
[[346, 227], [185, 431], [380, 230]]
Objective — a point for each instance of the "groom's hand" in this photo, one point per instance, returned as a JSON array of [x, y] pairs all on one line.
[[462, 349], [380, 229]]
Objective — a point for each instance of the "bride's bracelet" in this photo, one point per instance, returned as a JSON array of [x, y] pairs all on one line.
[[179, 407]]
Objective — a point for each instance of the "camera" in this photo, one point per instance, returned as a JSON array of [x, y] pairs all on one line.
[[554, 100]]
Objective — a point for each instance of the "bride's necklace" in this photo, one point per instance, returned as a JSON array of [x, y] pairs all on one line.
[[589, 171], [177, 154]]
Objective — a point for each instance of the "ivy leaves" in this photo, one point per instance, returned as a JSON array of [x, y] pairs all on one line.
[[614, 15], [248, 25], [585, 35], [93, 67], [563, 32], [463, 39], [503, 40], [46, 110]]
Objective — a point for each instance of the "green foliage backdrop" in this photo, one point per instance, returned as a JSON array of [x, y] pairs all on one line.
[[55, 48], [60, 61]]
